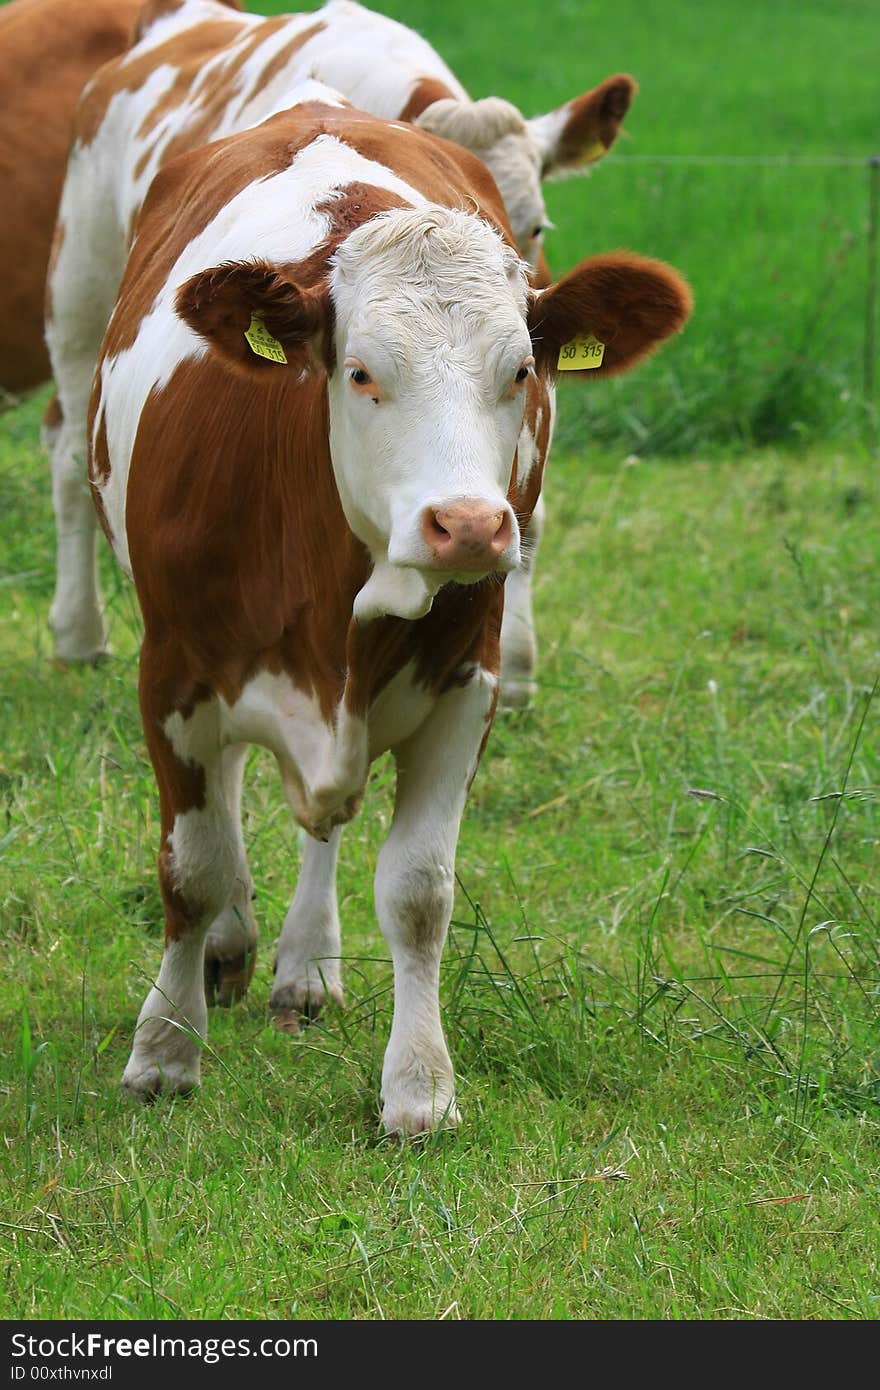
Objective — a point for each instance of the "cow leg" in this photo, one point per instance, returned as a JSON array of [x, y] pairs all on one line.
[[307, 963], [519, 653], [202, 876], [231, 947], [75, 615], [86, 267], [415, 879]]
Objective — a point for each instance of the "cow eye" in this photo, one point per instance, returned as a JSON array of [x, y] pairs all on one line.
[[359, 376], [537, 232], [524, 370]]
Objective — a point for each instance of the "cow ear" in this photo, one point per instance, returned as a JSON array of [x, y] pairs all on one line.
[[583, 130], [608, 314], [256, 318]]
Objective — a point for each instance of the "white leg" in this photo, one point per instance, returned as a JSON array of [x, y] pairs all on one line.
[[231, 947], [415, 879], [84, 274], [519, 653], [166, 1055], [200, 873], [75, 615], [307, 963]]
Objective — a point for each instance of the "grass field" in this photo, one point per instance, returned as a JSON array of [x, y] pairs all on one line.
[[660, 988], [662, 980]]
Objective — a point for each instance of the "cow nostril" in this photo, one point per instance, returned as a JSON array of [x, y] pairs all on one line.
[[502, 536], [436, 528]]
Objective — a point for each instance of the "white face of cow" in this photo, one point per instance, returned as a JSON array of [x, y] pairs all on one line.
[[426, 401]]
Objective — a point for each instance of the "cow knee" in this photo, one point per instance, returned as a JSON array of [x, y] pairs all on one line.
[[414, 901]]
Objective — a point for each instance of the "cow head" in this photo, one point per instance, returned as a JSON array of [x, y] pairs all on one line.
[[520, 153], [431, 342]]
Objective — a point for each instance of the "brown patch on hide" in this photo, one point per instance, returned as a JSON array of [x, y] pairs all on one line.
[[152, 10], [49, 49], [186, 52], [284, 55], [54, 415], [426, 91]]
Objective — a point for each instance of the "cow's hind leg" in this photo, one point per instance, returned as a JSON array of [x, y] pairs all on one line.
[[307, 971], [231, 947], [85, 269], [201, 874], [75, 616], [415, 879]]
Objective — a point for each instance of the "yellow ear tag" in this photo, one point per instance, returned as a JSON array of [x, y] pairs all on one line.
[[262, 342], [580, 354], [593, 153]]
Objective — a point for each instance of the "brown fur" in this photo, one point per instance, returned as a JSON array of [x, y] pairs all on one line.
[[426, 91], [628, 302], [595, 119], [46, 47], [151, 10]]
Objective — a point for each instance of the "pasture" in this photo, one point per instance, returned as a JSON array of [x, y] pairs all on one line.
[[661, 983]]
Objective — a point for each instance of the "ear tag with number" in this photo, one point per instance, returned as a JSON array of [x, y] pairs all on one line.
[[262, 342], [580, 354]]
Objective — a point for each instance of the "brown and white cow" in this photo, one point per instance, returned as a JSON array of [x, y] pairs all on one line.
[[307, 446], [199, 72]]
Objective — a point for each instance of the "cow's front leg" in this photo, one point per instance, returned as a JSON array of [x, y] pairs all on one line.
[[202, 876], [519, 648], [307, 963], [415, 880]]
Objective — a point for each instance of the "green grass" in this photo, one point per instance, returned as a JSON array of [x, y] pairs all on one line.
[[777, 256], [662, 1006]]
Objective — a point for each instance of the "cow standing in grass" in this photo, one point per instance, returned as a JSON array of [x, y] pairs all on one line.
[[312, 444], [201, 70]]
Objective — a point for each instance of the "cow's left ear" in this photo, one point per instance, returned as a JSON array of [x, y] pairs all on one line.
[[608, 314], [583, 130], [257, 318]]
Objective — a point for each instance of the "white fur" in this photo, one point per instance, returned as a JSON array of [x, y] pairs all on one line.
[[166, 1054], [433, 304]]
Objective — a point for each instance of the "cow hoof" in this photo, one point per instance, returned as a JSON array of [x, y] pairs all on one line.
[[408, 1121], [145, 1081], [90, 656], [515, 695], [79, 638], [292, 1005], [227, 981]]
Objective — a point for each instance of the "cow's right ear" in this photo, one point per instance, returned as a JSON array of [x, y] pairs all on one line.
[[257, 318]]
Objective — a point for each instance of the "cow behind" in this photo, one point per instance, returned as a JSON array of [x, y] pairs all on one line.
[[318, 537], [48, 50]]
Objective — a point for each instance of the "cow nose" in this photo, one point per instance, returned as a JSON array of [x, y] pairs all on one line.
[[468, 535]]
